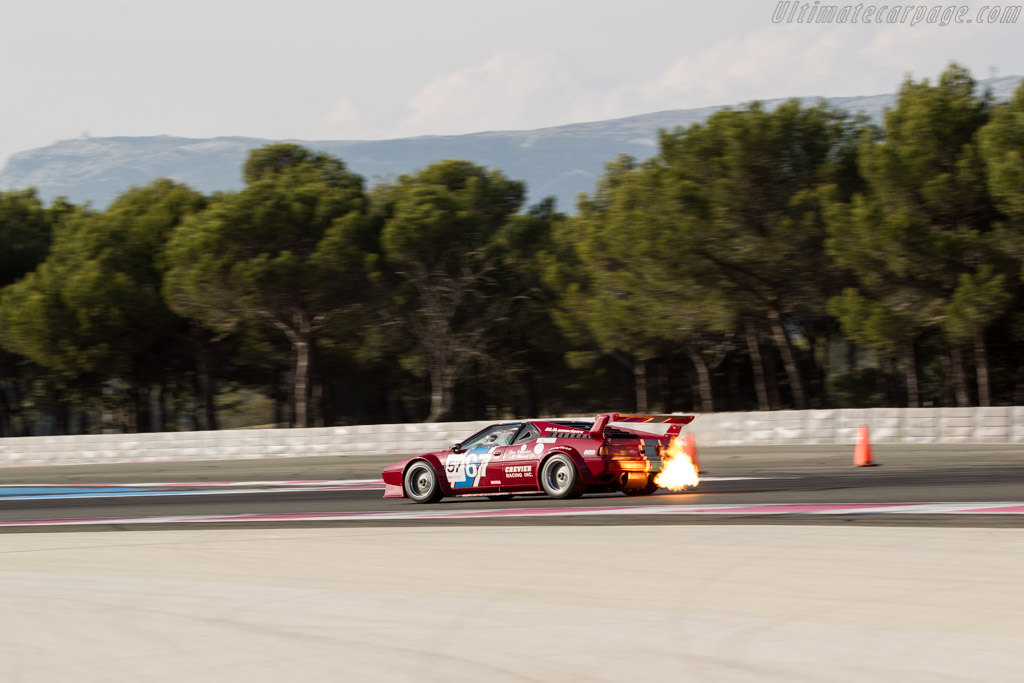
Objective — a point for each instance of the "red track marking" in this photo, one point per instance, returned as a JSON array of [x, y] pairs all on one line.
[[1013, 508]]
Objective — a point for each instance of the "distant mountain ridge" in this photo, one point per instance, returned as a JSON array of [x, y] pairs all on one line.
[[561, 161]]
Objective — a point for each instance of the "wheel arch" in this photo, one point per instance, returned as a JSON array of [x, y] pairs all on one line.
[[575, 458], [435, 463]]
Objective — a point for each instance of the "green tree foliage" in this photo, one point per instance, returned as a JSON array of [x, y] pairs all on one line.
[[1002, 147], [920, 227], [532, 348], [25, 232], [93, 310], [440, 239], [290, 251], [797, 235], [747, 188], [628, 287], [25, 229]]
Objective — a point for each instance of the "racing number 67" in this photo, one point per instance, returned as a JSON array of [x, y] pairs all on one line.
[[476, 469]]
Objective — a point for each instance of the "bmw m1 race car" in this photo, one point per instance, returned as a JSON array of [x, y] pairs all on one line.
[[563, 458]]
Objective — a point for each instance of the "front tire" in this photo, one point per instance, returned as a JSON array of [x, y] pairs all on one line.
[[420, 483], [560, 479]]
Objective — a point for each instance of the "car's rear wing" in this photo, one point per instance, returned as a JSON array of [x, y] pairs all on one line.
[[659, 425]]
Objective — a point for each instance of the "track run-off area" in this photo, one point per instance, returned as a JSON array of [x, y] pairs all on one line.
[[784, 564]]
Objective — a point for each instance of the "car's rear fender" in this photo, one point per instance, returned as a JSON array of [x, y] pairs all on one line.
[[577, 460]]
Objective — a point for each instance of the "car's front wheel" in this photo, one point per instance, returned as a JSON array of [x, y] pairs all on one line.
[[560, 479], [421, 483]]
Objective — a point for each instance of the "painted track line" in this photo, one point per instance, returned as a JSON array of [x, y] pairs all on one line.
[[997, 508], [90, 495], [22, 492], [369, 484], [202, 484]]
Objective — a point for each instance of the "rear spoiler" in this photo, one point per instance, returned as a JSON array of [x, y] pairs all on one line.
[[652, 424]]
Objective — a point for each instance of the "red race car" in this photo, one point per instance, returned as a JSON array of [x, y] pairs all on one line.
[[563, 458]]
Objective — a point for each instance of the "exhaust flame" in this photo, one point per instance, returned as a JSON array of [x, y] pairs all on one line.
[[677, 468]]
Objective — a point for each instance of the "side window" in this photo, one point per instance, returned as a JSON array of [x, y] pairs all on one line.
[[499, 435], [529, 433]]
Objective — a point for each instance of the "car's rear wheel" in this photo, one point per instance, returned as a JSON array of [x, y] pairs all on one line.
[[560, 479], [645, 490], [421, 483]]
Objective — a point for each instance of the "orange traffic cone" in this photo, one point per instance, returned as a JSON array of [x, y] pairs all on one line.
[[862, 453], [690, 448]]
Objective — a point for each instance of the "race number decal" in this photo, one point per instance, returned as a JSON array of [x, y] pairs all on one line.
[[464, 470]]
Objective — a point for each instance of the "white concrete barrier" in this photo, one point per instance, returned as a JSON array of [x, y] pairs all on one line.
[[1004, 424]]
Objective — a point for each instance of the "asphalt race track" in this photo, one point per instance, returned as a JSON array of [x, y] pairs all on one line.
[[968, 486]]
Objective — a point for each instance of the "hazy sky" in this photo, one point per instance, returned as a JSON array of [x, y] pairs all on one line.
[[344, 70]]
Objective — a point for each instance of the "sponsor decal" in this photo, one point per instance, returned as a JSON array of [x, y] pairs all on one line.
[[518, 471], [546, 440], [592, 451], [464, 470], [538, 449]]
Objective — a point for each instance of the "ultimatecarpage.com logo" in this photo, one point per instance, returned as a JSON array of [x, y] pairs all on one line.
[[787, 12]]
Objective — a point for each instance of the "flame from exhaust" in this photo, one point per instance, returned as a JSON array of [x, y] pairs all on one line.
[[677, 468]]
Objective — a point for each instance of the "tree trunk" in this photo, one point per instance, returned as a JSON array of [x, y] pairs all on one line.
[[205, 387], [707, 397], [640, 384], [981, 368], [279, 410], [757, 363], [796, 382], [771, 378], [61, 417], [6, 428], [959, 377], [913, 389], [947, 373], [316, 401], [327, 404], [143, 414], [819, 392], [442, 396], [665, 386], [887, 371], [737, 401], [300, 383], [162, 403], [533, 395], [479, 400], [1018, 387]]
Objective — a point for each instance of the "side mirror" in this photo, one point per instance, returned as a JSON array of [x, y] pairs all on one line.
[[457, 447]]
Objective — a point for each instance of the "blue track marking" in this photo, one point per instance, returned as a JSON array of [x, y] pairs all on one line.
[[67, 492], [50, 491]]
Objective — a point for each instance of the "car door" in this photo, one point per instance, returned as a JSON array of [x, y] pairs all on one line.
[[476, 465], [519, 462]]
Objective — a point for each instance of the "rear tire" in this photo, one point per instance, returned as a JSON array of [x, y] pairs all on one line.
[[420, 483], [560, 479], [646, 490]]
